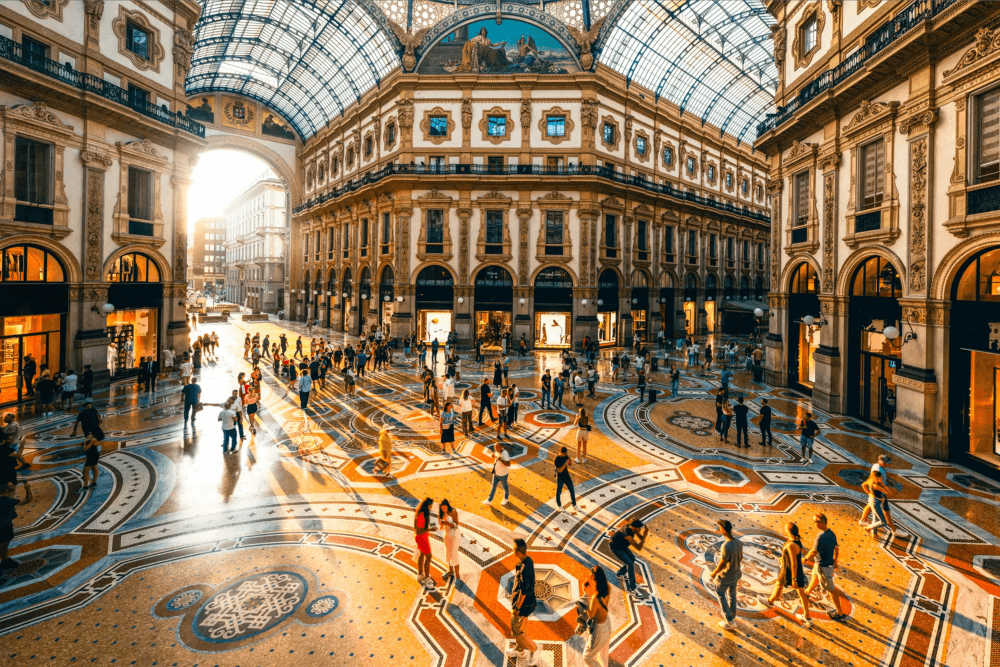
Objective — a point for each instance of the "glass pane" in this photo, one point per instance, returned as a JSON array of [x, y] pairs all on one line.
[[10, 369], [53, 269], [13, 264], [141, 263], [36, 265]]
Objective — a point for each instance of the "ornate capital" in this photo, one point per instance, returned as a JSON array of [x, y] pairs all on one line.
[[926, 117]]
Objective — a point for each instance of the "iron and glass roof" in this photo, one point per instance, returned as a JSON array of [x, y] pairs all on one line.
[[311, 59], [712, 57]]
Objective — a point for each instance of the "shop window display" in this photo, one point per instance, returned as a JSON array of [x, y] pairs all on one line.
[[434, 325], [133, 335], [492, 325], [37, 335], [607, 328], [552, 330]]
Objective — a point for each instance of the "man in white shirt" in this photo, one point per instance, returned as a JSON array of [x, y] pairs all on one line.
[[168, 359], [69, 387], [228, 418], [501, 466], [237, 406], [187, 370], [449, 389]]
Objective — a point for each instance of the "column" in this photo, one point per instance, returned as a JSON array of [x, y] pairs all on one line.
[[775, 364], [829, 392], [524, 300], [402, 323], [464, 328], [174, 311], [585, 315]]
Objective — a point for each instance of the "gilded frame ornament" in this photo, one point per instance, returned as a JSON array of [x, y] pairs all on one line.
[[544, 120], [484, 125], [156, 50], [814, 10], [425, 125]]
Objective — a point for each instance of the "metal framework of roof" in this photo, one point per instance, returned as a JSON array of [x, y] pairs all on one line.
[[711, 57], [311, 59]]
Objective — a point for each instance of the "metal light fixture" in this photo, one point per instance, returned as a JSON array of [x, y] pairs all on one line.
[[808, 320], [399, 299], [886, 277], [522, 302], [461, 299], [891, 334], [386, 298], [663, 299], [106, 308], [634, 300], [583, 302], [757, 312], [364, 297], [687, 299], [600, 302], [344, 295]]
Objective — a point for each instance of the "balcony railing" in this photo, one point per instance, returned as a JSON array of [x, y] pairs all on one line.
[[879, 41], [12, 51], [665, 189]]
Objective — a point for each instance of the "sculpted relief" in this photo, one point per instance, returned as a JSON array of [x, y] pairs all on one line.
[[513, 47]]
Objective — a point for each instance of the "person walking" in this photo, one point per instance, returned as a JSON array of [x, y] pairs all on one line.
[[824, 556], [421, 535], [591, 380], [91, 452], [765, 423], [448, 519], [546, 390], [69, 388], [250, 404], [152, 370], [809, 431], [876, 490], [87, 388], [501, 468], [882, 467], [283, 340], [724, 378], [791, 574], [675, 381], [191, 395], [485, 405], [298, 349], [503, 404], [578, 384], [497, 373], [598, 645], [632, 533], [447, 426], [304, 386], [28, 369], [89, 420], [558, 387], [741, 413], [228, 418], [583, 429], [187, 370], [727, 418], [466, 406], [522, 604], [384, 463], [727, 574], [563, 478]]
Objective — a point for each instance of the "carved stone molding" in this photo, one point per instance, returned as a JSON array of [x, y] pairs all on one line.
[[920, 121], [183, 50], [94, 9], [868, 113], [156, 51], [644, 156], [484, 125], [50, 9], [803, 58], [829, 231], [611, 146], [588, 119], [668, 164], [543, 125], [93, 231], [96, 159], [985, 50], [918, 215], [425, 125]]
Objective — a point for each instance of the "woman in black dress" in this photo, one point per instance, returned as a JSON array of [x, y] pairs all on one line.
[[497, 373], [92, 451], [792, 575]]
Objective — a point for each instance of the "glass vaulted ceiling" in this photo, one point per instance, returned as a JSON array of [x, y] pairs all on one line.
[[311, 59], [712, 57], [307, 59]]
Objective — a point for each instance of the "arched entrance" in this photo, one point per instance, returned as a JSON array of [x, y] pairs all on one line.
[[711, 303], [346, 298], [553, 308], [365, 316], [872, 359], [386, 301], [803, 339], [34, 301], [691, 302], [494, 303], [640, 304], [331, 297], [136, 292], [318, 296], [607, 307], [974, 358], [667, 306], [435, 301]]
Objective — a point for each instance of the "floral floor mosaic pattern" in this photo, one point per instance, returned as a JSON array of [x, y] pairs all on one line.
[[292, 551]]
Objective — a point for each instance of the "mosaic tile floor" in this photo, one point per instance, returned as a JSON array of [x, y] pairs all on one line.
[[291, 552]]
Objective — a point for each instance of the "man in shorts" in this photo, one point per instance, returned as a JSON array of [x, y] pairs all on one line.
[[522, 603], [882, 467], [825, 554]]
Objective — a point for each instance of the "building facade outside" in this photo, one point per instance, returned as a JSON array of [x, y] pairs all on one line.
[[95, 166], [208, 257], [256, 233], [551, 206], [886, 218]]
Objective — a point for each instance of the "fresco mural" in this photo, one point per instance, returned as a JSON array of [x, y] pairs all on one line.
[[512, 47]]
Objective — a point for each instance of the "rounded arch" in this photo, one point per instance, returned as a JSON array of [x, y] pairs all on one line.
[[792, 265], [668, 279], [386, 271], [426, 265], [690, 280], [365, 276], [955, 259], [331, 279], [566, 269], [503, 265], [859, 257], [252, 147], [614, 270], [711, 282], [161, 262], [641, 274], [71, 268], [348, 278]]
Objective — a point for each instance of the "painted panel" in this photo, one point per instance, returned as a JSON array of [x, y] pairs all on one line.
[[512, 47]]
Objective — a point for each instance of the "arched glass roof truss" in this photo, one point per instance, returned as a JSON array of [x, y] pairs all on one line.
[[307, 59], [711, 57]]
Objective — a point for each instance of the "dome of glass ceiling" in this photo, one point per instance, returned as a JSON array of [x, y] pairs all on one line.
[[311, 59]]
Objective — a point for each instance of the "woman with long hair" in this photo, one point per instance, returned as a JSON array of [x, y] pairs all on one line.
[[582, 435], [791, 574], [421, 531], [596, 653], [448, 518], [448, 418], [250, 399], [466, 407]]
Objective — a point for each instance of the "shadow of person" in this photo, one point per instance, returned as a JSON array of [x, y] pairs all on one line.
[[230, 474]]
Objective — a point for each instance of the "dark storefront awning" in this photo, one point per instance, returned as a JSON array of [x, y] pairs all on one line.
[[743, 306]]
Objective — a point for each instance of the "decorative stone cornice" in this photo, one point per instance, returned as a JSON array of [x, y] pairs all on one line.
[[925, 118]]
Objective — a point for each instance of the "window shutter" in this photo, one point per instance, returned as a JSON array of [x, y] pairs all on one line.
[[989, 133], [802, 198]]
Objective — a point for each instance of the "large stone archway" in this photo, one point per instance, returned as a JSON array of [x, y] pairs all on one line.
[[259, 150]]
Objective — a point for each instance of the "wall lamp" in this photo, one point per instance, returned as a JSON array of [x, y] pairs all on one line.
[[809, 320], [892, 335]]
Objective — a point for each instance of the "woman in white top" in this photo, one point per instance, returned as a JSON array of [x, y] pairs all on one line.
[[466, 407], [187, 370], [502, 404], [448, 519]]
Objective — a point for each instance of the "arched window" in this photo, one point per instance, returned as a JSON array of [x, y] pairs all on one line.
[[877, 278], [348, 282], [668, 281], [729, 288], [435, 275], [494, 276], [134, 267], [710, 283], [639, 279], [366, 281], [744, 287], [980, 279], [553, 277], [30, 263], [758, 288], [388, 277], [803, 280], [608, 280], [331, 282]]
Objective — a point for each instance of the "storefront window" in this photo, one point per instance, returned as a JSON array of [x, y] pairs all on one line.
[[808, 343], [37, 335], [492, 325], [690, 317], [134, 267], [434, 325], [639, 324], [133, 336], [553, 329], [607, 328]]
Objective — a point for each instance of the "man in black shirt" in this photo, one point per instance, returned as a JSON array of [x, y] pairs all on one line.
[[765, 424], [484, 401], [88, 382], [809, 431], [152, 370], [28, 371], [88, 419], [632, 534], [522, 603], [742, 424]]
